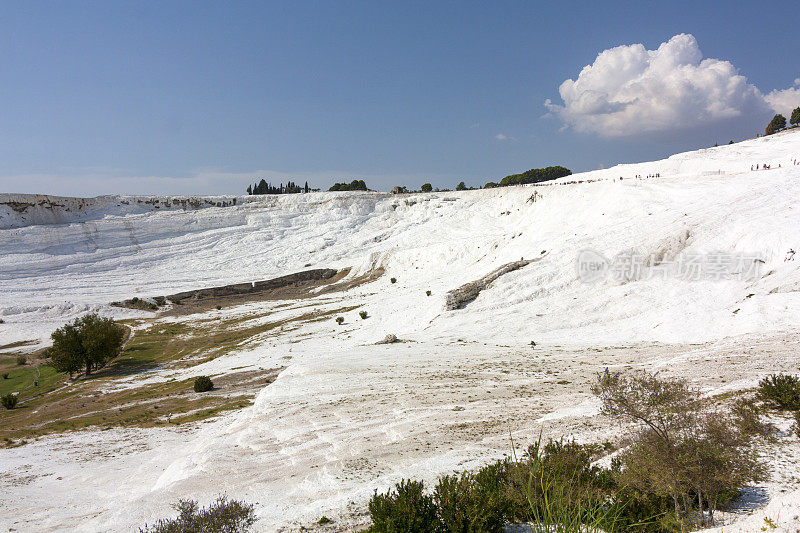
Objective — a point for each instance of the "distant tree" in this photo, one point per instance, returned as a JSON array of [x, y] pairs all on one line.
[[461, 186], [249, 189], [777, 123], [262, 187], [490, 185], [88, 342], [795, 118], [535, 175], [355, 185], [426, 187], [730, 142]]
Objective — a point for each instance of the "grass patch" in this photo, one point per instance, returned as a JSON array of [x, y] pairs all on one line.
[[58, 404], [80, 406], [21, 379]]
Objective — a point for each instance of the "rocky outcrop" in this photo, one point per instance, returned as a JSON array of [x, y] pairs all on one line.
[[256, 286], [20, 210], [458, 298]]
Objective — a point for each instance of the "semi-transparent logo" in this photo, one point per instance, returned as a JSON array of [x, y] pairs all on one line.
[[592, 266]]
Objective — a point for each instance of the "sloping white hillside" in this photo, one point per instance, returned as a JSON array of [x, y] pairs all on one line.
[[704, 201], [346, 416]]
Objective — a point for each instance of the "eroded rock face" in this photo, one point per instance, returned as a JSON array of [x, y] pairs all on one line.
[[256, 286], [21, 210], [458, 298]]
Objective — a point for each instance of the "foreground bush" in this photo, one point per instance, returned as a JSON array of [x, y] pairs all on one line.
[[203, 384], [406, 509], [684, 451], [9, 401], [474, 501], [553, 488], [222, 516], [686, 460], [781, 391]]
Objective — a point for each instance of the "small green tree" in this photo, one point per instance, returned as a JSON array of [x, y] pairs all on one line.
[[203, 384], [781, 391], [777, 123], [795, 118], [88, 342], [9, 401], [426, 187], [684, 450], [221, 516], [461, 186]]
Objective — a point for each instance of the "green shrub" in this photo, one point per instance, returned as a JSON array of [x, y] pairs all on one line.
[[5, 375], [363, 315], [427, 293], [9, 401], [340, 320], [21, 360], [324, 520], [393, 280], [781, 391], [2, 321], [747, 416], [222, 516], [404, 509], [684, 450], [426, 187], [219, 307], [474, 501], [203, 384], [796, 426]]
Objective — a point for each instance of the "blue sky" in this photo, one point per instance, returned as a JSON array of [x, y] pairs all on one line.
[[203, 97]]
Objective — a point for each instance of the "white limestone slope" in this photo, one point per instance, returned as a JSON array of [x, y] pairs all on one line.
[[441, 240], [347, 416]]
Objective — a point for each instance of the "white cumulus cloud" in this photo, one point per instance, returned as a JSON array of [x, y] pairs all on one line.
[[630, 90], [786, 100]]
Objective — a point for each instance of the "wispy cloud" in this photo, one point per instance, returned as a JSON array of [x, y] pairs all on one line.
[[504, 137]]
